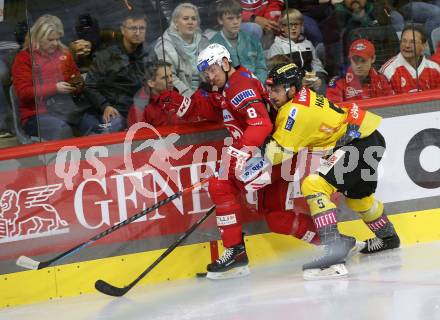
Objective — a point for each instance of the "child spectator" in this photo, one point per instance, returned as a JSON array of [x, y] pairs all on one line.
[[361, 81], [410, 71], [302, 52], [245, 50]]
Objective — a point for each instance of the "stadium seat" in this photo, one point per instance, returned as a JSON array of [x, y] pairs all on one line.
[[22, 137]]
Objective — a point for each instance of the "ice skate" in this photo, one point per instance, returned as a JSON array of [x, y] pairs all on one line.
[[377, 244], [331, 264], [232, 264]]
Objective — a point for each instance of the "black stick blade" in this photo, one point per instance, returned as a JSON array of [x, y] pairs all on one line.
[[108, 289]]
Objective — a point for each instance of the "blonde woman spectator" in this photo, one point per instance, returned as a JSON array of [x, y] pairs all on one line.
[[45, 62], [182, 42], [301, 50]]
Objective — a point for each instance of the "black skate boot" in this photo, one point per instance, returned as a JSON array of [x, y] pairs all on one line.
[[386, 236], [232, 264], [377, 244], [331, 264]]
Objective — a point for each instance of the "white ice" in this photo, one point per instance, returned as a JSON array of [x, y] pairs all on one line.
[[400, 284]]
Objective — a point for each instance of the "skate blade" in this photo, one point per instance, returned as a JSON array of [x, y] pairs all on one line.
[[230, 274], [356, 249], [332, 272], [27, 263]]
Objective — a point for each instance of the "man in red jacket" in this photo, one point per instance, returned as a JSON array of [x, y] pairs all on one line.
[[410, 71], [361, 81], [147, 106]]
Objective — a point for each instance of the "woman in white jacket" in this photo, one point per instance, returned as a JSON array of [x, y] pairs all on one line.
[[299, 49], [182, 43]]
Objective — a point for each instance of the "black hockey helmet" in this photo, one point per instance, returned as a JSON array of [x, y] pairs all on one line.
[[286, 75]]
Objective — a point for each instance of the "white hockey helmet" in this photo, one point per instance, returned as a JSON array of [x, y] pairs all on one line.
[[214, 53]]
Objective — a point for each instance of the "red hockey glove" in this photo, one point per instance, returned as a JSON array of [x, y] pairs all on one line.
[[171, 100], [217, 99]]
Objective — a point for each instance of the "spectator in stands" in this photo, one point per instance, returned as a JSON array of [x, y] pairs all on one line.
[[360, 81], [116, 74], [410, 71], [426, 13], [261, 17], [89, 40], [301, 51], [147, 106], [180, 45], [315, 13], [45, 61], [245, 50], [347, 16]]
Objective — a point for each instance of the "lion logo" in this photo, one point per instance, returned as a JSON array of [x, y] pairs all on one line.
[[28, 213]]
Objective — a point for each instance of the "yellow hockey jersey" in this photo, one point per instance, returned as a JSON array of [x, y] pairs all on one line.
[[312, 121]]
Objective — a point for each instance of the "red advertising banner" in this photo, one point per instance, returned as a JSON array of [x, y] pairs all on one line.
[[78, 193]]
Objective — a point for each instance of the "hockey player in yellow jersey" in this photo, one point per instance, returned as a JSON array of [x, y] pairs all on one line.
[[351, 147]]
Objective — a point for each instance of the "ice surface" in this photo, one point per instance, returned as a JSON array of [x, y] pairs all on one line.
[[400, 284]]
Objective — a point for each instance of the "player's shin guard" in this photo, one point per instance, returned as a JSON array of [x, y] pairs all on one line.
[[375, 218], [335, 246]]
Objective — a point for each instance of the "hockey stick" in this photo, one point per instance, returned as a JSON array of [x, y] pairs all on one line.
[[29, 263], [111, 290]]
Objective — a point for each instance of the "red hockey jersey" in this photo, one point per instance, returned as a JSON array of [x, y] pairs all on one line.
[[269, 9], [244, 111], [350, 87]]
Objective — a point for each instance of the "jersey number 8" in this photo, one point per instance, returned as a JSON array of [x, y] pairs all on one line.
[[251, 113]]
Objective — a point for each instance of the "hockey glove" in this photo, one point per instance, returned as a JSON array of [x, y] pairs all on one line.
[[256, 174], [173, 101]]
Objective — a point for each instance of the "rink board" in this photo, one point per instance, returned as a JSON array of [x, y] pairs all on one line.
[[89, 203], [79, 278]]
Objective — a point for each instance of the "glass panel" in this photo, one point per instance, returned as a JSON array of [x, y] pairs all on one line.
[[90, 84]]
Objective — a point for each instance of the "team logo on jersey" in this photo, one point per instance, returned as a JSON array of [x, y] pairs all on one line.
[[354, 134], [351, 92], [241, 96], [290, 120], [303, 95], [234, 131], [402, 82]]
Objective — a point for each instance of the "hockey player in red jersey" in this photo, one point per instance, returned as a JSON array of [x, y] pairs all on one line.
[[242, 99]]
